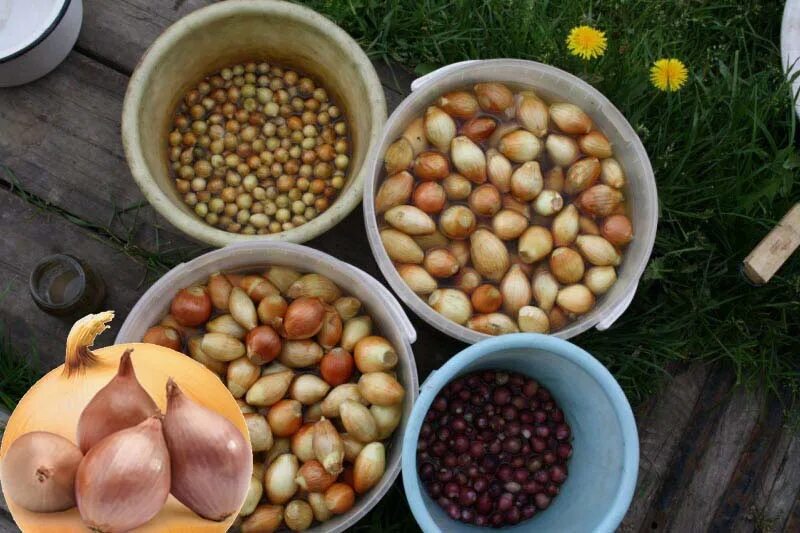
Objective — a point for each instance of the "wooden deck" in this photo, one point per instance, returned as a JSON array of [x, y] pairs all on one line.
[[713, 457]]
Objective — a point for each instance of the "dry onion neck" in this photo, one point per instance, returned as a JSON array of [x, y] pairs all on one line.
[[81, 338]]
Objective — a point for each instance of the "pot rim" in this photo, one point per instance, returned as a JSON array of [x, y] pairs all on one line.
[[426, 90], [147, 67], [560, 348], [39, 38]]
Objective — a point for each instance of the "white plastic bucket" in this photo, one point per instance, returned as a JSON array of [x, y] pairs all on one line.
[[555, 85], [378, 302]]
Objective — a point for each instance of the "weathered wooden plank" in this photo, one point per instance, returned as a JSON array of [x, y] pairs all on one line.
[[28, 235], [7, 524], [660, 431], [775, 480], [61, 143], [695, 509]]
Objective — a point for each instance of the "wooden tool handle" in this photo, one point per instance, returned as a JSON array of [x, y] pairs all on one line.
[[774, 249]]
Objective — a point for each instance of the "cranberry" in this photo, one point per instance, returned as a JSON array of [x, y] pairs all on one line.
[[438, 448], [528, 511], [509, 412], [440, 403], [564, 451], [539, 416], [481, 520], [496, 447], [537, 444], [521, 475], [557, 415], [534, 464], [497, 520], [558, 474], [520, 402], [562, 432], [435, 490], [505, 502], [552, 489], [530, 388], [513, 487], [513, 516], [443, 434], [468, 516], [543, 394], [501, 396], [451, 490], [461, 443], [444, 475], [531, 487], [526, 417], [542, 431], [512, 445], [426, 472], [484, 504], [505, 473], [467, 496], [549, 458], [541, 476], [453, 511], [480, 484], [450, 460], [542, 500], [477, 449]]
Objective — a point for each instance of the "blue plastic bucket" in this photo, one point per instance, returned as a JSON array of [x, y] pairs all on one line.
[[605, 460]]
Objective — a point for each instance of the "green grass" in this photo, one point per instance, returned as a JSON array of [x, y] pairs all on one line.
[[723, 150]]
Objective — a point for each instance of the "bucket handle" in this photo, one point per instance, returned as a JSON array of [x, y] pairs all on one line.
[[439, 72], [392, 305]]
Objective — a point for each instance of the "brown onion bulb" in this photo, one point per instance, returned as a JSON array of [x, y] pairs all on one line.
[[191, 306], [39, 472], [124, 480], [121, 404], [211, 461]]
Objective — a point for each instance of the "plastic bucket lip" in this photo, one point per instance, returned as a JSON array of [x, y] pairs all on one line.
[[459, 74], [558, 347], [262, 253]]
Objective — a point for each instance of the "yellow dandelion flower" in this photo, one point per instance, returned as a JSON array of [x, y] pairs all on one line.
[[586, 42], [668, 74]]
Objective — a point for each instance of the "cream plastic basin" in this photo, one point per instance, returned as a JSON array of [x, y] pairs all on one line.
[[554, 85], [235, 31], [388, 317]]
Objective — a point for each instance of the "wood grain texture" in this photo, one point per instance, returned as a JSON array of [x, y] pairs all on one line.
[[700, 498], [660, 430], [28, 236]]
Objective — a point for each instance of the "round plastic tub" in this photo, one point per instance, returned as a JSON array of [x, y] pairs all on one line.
[[237, 31], [605, 460], [378, 302], [554, 85], [790, 48]]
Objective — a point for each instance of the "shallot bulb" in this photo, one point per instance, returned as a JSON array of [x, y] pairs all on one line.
[[39, 472], [121, 404], [211, 461], [123, 481]]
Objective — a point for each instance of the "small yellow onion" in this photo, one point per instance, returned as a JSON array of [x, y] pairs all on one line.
[[498, 170], [266, 518], [493, 324], [279, 480], [271, 310], [285, 417], [339, 395], [554, 179], [257, 287], [599, 279], [369, 467], [520, 146], [241, 375], [611, 173], [558, 318], [219, 289], [395, 190], [545, 289], [226, 324], [298, 515], [527, 181], [460, 251], [314, 286], [163, 336], [354, 330], [509, 224], [269, 389], [410, 220], [467, 280], [489, 255], [400, 247], [531, 319], [478, 129], [575, 299], [415, 135], [566, 265], [222, 347], [328, 446], [417, 279], [313, 477], [352, 446], [595, 144], [548, 203], [516, 290], [282, 277], [398, 156], [565, 226], [317, 502], [259, 431], [242, 309], [440, 128], [457, 187], [430, 197], [387, 418], [308, 389], [303, 318], [562, 149], [485, 200], [597, 250], [358, 421], [254, 493], [486, 298], [431, 166], [375, 354], [331, 331], [494, 97], [380, 388], [452, 303], [535, 244], [302, 443], [588, 226], [339, 498], [570, 118], [432, 240], [459, 104], [582, 175], [532, 113], [523, 208], [347, 307], [300, 354], [469, 159], [600, 200], [456, 222]]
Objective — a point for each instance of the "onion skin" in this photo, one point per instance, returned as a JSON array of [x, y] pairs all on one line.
[[121, 404], [211, 461], [39, 472], [123, 481]]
